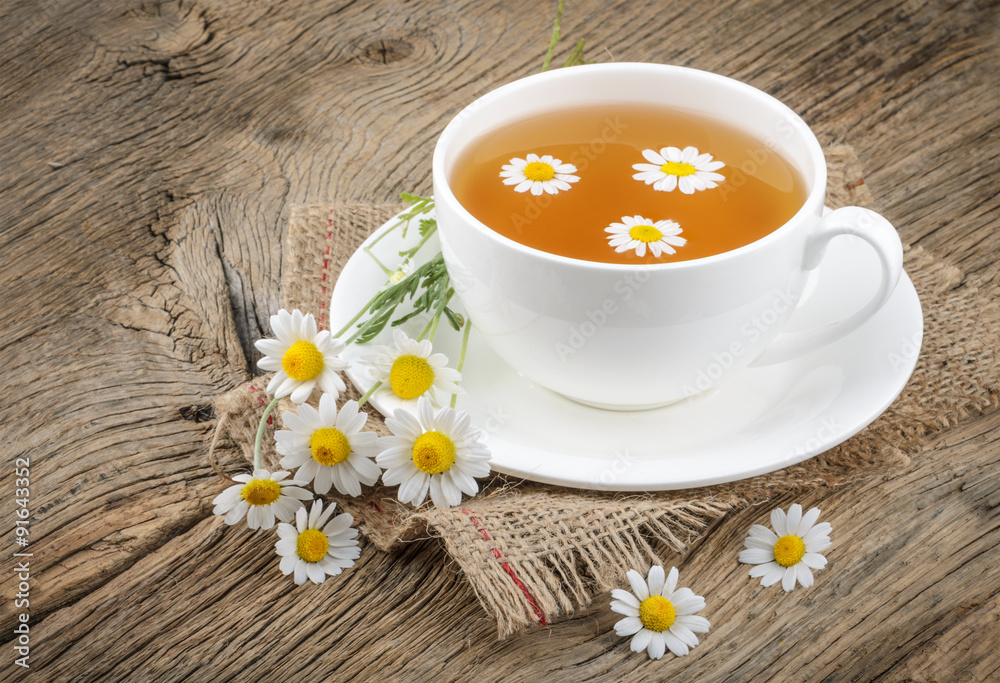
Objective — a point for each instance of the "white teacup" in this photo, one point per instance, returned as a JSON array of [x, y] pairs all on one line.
[[637, 336]]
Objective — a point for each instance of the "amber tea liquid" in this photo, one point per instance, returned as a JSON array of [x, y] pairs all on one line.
[[759, 191]]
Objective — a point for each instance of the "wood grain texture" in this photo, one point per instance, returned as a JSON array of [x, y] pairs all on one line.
[[150, 153]]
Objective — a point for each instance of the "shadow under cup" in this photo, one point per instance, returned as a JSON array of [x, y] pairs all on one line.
[[622, 336]]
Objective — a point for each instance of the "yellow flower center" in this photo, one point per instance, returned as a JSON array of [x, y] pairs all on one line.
[[678, 168], [411, 376], [789, 550], [433, 453], [657, 613], [397, 276], [539, 170], [645, 233], [302, 361], [329, 446], [312, 545], [261, 491]]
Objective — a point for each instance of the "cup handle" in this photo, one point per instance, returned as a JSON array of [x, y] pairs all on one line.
[[883, 238]]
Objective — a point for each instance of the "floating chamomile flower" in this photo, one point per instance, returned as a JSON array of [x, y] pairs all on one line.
[[684, 169], [301, 357], [317, 545], [261, 496], [789, 554], [538, 174], [437, 452], [411, 370], [329, 446], [638, 233], [659, 615]]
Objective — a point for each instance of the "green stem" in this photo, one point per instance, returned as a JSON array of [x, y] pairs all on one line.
[[361, 330], [381, 265], [432, 325], [461, 355], [555, 36], [355, 319], [419, 208], [410, 253], [260, 432], [368, 394]]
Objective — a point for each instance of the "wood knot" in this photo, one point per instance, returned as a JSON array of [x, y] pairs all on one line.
[[385, 51], [198, 413]]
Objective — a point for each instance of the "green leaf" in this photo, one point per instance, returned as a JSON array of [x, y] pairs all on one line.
[[456, 320]]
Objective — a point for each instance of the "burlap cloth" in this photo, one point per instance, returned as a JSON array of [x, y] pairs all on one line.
[[533, 552]]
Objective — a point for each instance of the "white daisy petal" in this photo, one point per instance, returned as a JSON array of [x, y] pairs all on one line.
[[451, 455], [638, 233], [778, 522], [638, 584], [803, 574], [675, 644], [788, 578], [801, 553], [670, 584], [809, 519], [673, 168], [655, 580], [793, 518], [684, 634], [623, 608], [315, 563], [772, 575], [657, 645], [814, 560], [641, 640], [539, 174], [653, 158], [658, 615], [694, 623], [628, 626], [756, 555]]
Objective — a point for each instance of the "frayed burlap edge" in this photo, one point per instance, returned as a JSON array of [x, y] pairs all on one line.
[[533, 552]]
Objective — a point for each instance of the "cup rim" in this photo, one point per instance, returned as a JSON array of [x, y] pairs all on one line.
[[817, 191]]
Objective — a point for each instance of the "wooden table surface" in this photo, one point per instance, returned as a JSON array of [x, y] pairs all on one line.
[[149, 156]]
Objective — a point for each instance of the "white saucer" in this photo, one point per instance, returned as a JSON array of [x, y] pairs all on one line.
[[762, 419]]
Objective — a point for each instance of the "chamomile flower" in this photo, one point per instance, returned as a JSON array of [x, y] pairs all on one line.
[[401, 273], [301, 357], [329, 447], [638, 233], [438, 452], [261, 496], [411, 369], [789, 554], [538, 174], [684, 169], [317, 545], [658, 615]]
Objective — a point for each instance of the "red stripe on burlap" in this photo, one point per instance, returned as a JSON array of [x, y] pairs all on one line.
[[507, 568], [260, 400]]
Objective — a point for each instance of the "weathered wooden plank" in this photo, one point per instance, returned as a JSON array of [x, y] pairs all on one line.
[[912, 571]]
